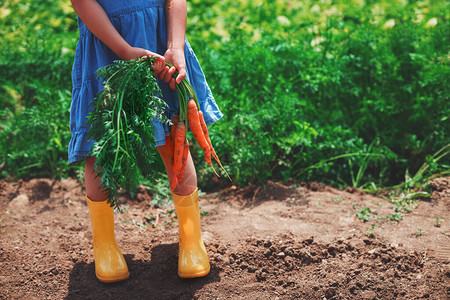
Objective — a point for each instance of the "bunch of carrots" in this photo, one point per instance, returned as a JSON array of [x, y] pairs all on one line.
[[189, 115], [120, 124]]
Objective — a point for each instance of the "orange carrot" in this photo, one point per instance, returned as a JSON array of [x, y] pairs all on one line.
[[180, 136], [173, 183], [206, 134], [196, 127], [183, 161], [170, 139], [173, 129]]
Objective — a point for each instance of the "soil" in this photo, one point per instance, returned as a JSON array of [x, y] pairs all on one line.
[[278, 241]]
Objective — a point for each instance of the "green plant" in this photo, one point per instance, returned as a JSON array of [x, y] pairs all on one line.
[[430, 169], [437, 222], [365, 213], [419, 232], [355, 179], [406, 201], [122, 209], [392, 217], [151, 220], [35, 89], [338, 199], [370, 230], [22, 153], [404, 196]]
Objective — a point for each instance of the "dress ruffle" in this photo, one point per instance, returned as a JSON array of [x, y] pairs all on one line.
[[142, 24]]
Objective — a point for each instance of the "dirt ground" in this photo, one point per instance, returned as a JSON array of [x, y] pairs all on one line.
[[280, 241]]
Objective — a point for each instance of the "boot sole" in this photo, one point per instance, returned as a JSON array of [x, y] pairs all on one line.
[[108, 279], [194, 275]]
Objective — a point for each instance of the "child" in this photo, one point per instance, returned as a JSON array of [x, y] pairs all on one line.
[[111, 30]]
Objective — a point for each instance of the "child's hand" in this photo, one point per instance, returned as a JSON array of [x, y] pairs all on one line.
[[176, 57], [135, 52], [161, 70]]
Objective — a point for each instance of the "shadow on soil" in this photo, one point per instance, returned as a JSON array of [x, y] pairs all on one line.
[[156, 278]]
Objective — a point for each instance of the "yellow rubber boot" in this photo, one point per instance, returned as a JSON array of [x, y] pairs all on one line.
[[110, 266], [192, 258]]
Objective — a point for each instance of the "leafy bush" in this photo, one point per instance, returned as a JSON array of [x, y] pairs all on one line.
[[342, 92], [35, 90], [34, 141], [348, 104]]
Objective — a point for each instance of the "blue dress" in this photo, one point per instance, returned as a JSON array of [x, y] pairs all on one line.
[[142, 24]]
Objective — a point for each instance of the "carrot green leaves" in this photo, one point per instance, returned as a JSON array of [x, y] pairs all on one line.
[[121, 125]]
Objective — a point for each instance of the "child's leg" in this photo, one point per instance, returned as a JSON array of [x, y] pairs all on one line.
[[93, 192], [110, 266], [192, 260]]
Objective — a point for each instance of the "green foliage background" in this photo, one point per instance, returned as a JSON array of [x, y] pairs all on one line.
[[342, 92]]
